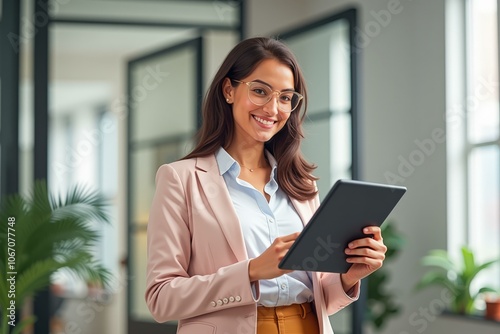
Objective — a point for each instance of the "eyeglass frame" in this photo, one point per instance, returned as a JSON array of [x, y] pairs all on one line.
[[248, 83]]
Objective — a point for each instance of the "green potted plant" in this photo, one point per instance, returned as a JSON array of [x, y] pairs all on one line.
[[40, 235], [381, 305], [455, 277]]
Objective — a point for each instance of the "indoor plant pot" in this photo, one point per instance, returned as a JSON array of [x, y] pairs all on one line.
[[492, 311]]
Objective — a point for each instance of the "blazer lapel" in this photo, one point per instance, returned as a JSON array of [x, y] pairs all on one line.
[[303, 209], [215, 190]]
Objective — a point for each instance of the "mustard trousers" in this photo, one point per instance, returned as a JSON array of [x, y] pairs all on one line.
[[291, 319]]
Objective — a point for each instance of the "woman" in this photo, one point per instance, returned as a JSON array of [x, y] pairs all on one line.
[[223, 217]]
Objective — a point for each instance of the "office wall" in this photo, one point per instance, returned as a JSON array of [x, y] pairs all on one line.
[[402, 99]]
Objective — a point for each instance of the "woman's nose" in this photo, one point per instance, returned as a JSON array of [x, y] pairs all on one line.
[[272, 106]]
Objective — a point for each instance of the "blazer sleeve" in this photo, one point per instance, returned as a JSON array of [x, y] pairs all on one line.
[[334, 295], [171, 293]]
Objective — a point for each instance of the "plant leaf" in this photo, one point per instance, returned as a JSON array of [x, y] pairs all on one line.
[[469, 264], [82, 265], [441, 260], [484, 266], [435, 278], [34, 278], [39, 204], [484, 289], [48, 236], [82, 203]]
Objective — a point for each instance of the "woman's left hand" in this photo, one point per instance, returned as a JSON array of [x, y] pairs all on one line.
[[366, 255]]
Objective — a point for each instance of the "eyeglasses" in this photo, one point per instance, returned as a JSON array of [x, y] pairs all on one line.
[[260, 94]]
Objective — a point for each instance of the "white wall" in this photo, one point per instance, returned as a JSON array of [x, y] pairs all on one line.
[[402, 85]]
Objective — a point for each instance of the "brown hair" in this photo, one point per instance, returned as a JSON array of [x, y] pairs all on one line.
[[294, 172]]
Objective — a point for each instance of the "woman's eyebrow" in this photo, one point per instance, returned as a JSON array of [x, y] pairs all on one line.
[[265, 83]]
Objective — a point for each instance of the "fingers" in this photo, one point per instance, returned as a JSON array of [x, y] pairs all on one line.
[[265, 266], [283, 244], [366, 252], [289, 237], [374, 241], [368, 243], [375, 231], [368, 248], [374, 263]]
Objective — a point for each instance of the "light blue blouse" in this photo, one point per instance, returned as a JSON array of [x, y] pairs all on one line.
[[262, 222]]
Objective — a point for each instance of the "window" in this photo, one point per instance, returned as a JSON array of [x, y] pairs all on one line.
[[483, 146], [474, 131]]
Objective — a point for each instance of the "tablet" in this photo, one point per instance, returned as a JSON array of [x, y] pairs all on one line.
[[348, 207]]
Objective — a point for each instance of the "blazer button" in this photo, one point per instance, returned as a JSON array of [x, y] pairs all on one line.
[[238, 298], [231, 299], [225, 300], [213, 303], [219, 302]]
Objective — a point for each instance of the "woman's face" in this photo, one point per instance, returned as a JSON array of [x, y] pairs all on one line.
[[258, 124]]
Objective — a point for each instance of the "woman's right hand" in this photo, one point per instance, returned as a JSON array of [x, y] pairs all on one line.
[[265, 266]]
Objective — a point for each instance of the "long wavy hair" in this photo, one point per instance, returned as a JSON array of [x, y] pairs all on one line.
[[217, 130]]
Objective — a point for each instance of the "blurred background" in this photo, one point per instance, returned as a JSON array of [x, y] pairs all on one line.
[[102, 92]]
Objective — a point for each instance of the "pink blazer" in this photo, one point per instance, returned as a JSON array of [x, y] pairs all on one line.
[[197, 270]]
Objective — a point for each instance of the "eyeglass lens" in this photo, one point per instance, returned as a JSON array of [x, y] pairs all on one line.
[[261, 94]]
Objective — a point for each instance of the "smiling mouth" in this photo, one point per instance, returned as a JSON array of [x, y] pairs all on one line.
[[263, 121]]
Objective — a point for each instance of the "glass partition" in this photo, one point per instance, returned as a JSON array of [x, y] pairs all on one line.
[[323, 54], [163, 92]]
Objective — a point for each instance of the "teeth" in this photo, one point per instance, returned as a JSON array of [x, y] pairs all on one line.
[[263, 121]]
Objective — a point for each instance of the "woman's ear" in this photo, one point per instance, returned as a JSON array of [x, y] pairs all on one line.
[[228, 90]]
